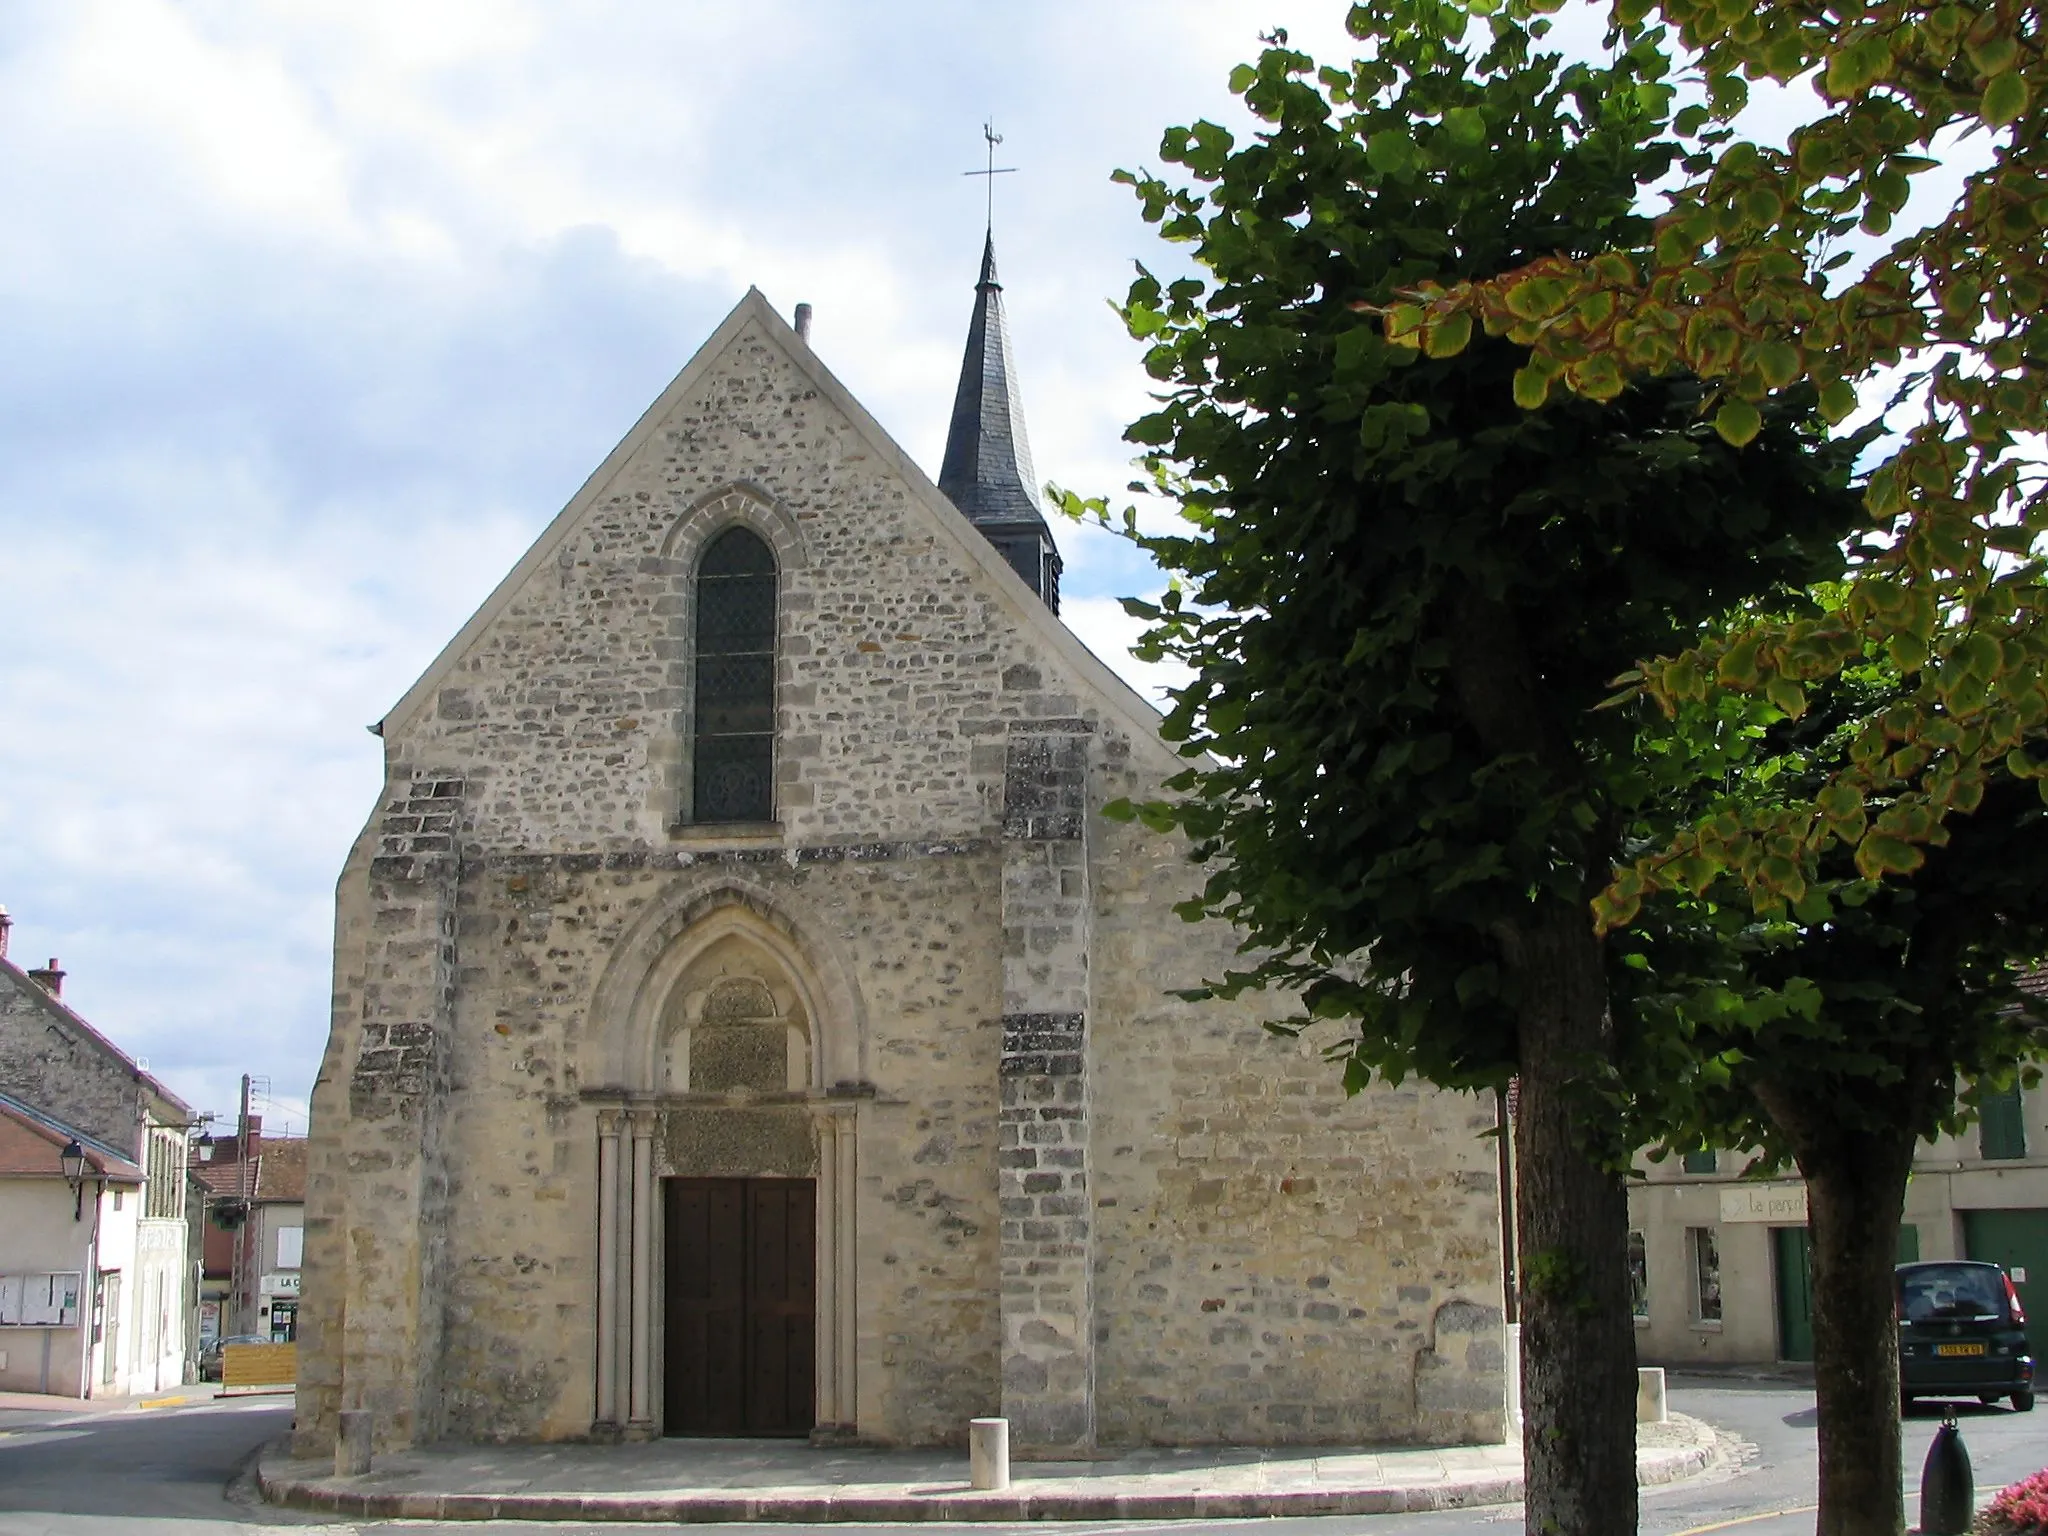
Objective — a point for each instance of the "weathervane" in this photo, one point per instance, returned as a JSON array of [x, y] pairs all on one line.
[[988, 131]]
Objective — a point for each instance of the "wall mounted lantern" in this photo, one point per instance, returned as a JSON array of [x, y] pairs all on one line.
[[72, 1160]]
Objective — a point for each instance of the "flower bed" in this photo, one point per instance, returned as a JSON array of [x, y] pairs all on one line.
[[2019, 1510]]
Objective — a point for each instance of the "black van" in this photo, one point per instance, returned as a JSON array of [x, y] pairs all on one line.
[[1962, 1333]]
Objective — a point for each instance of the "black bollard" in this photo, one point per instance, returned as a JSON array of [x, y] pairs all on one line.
[[1948, 1493]]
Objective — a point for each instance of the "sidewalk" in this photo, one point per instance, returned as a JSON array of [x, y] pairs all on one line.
[[703, 1481], [170, 1397]]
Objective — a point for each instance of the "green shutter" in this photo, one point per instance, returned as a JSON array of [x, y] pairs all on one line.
[[2002, 1127], [1909, 1245], [1700, 1160]]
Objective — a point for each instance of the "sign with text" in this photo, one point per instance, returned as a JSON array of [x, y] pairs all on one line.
[[1781, 1205], [280, 1285]]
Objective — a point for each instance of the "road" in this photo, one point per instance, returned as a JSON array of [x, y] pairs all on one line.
[[181, 1472]]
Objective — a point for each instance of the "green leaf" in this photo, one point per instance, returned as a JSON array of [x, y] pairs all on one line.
[[1465, 126], [1448, 337], [2005, 98], [1787, 696], [1738, 422], [1779, 362], [1393, 152], [1532, 387]]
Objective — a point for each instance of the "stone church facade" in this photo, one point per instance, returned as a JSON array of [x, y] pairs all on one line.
[[746, 1023]]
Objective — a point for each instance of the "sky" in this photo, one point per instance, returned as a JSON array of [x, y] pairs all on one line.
[[316, 312]]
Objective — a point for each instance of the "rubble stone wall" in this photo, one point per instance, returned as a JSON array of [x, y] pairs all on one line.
[[1264, 1259]]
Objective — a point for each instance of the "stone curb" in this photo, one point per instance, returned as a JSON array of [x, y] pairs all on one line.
[[345, 1497]]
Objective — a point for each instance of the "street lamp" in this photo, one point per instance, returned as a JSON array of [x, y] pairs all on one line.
[[72, 1161]]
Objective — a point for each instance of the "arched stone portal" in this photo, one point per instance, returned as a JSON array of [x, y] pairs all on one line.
[[722, 1064]]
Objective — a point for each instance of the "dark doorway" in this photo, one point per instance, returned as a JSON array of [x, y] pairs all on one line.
[[741, 1270]]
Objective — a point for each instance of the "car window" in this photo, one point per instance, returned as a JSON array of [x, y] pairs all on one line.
[[1949, 1291]]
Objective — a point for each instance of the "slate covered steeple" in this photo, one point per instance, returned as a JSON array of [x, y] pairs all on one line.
[[987, 471]]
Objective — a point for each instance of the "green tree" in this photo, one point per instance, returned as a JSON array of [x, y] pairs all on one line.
[[1402, 598], [1777, 267], [1833, 1029]]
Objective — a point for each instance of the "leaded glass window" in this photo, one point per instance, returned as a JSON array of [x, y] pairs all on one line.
[[734, 751]]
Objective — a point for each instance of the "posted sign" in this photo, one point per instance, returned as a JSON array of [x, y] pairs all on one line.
[[1781, 1205]]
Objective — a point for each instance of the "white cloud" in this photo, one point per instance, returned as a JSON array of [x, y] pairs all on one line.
[[317, 313]]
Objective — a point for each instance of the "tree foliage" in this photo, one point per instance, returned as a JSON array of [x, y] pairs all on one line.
[[1354, 507], [1402, 598], [1785, 267]]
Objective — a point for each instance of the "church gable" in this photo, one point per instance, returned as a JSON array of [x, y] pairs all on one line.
[[604, 691]]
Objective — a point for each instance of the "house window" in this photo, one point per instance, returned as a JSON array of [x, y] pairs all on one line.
[[1638, 1277], [164, 1189], [1705, 1247], [733, 754], [1700, 1160], [2002, 1126]]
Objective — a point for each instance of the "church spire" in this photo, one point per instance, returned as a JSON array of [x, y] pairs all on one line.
[[987, 471]]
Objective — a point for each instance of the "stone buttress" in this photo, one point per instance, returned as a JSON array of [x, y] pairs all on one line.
[[393, 1214], [1048, 1249]]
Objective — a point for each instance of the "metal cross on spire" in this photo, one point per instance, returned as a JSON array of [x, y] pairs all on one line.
[[988, 131]]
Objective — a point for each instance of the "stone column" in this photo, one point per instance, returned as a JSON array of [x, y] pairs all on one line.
[[826, 1324], [641, 1424], [608, 1417], [1047, 1241]]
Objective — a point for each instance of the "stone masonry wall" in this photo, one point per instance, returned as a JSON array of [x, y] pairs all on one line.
[[46, 1062], [1259, 1256], [535, 931], [1276, 1263]]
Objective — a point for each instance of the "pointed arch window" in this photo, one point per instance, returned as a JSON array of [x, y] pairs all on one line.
[[733, 754]]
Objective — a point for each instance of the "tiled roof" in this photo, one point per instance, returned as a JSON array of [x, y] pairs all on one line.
[[30, 1142], [277, 1173]]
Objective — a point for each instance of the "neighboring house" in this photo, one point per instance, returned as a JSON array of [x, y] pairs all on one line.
[[745, 1021], [1723, 1269], [254, 1220], [95, 1290]]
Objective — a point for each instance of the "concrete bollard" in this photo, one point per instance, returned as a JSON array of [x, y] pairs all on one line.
[[1650, 1404], [352, 1443], [988, 1454]]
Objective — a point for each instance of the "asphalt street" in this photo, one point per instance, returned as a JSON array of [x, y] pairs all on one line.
[[181, 1472]]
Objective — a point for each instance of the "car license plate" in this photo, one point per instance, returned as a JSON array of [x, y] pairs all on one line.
[[1959, 1349]]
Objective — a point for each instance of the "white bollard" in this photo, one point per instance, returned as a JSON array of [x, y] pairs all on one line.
[[352, 1444], [988, 1453], [1650, 1405]]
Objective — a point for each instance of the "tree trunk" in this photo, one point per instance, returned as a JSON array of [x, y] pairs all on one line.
[[1855, 1195], [1578, 1338]]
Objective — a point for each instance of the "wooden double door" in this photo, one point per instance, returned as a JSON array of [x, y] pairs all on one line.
[[741, 1266]]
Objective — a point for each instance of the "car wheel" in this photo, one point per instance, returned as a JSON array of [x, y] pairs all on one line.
[[2023, 1401]]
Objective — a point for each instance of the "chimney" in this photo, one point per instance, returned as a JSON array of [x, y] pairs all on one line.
[[49, 978], [252, 1136], [6, 923], [803, 323]]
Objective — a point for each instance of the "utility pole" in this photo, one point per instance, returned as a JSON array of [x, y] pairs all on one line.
[[238, 1270]]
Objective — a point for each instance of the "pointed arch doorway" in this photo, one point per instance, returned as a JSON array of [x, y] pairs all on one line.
[[725, 1200]]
